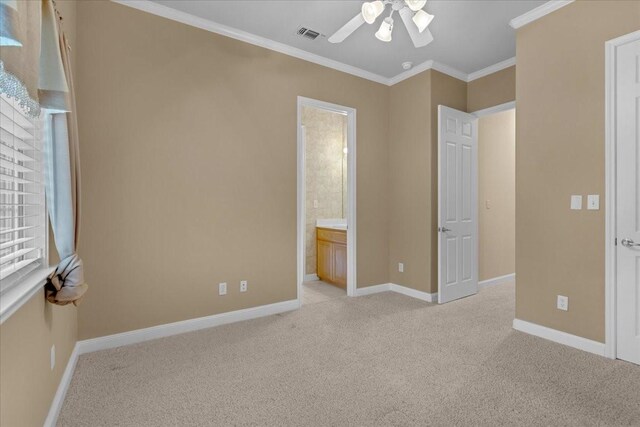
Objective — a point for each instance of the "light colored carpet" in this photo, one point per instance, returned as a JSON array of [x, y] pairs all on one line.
[[318, 291], [383, 359]]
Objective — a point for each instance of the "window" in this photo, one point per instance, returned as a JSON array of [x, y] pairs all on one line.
[[22, 200]]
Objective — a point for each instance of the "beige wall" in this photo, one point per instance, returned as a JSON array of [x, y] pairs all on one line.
[[497, 195], [188, 143], [560, 151], [28, 384], [325, 173], [409, 133], [413, 158], [494, 89]]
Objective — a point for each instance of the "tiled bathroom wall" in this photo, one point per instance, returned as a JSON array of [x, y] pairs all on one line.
[[326, 173]]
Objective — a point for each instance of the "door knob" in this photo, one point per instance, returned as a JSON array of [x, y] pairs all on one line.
[[629, 243], [443, 229]]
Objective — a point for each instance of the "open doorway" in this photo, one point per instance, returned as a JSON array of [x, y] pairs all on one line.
[[476, 198], [497, 196], [326, 201]]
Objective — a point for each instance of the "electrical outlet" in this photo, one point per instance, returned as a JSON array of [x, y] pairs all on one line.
[[563, 303], [401, 267], [593, 202], [222, 288], [53, 356], [315, 203], [243, 286]]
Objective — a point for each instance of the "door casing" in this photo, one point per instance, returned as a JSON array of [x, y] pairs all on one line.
[[350, 113]]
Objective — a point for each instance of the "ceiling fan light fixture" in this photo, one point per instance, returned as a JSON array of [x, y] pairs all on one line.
[[415, 5], [422, 20], [384, 33], [371, 11]]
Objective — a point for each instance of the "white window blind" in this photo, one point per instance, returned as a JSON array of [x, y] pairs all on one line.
[[22, 200]]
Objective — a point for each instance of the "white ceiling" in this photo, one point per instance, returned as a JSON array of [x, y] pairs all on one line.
[[469, 35]]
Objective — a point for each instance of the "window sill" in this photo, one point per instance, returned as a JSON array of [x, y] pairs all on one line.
[[18, 295]]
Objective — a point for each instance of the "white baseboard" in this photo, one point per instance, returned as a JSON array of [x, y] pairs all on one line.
[[497, 280], [559, 337], [424, 296], [166, 330], [311, 277], [386, 287], [61, 392]]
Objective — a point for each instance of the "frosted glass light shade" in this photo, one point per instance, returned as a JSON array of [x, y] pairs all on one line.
[[384, 33], [422, 20], [415, 5], [371, 11]]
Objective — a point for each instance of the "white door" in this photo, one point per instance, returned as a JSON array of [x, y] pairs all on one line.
[[628, 201], [458, 204]]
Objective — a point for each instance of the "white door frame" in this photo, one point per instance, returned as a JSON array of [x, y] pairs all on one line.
[[494, 110], [351, 192], [507, 106], [610, 190]]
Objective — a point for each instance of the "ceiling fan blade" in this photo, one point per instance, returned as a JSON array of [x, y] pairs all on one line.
[[419, 39], [347, 29]]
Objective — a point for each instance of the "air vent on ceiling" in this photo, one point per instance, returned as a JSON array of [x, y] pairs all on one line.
[[307, 33]]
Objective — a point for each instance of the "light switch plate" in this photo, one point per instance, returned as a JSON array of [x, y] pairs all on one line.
[[576, 202], [401, 267], [593, 202], [563, 303], [222, 288]]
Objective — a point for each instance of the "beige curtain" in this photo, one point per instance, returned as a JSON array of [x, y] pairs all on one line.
[[31, 69], [35, 69], [66, 285], [53, 83]]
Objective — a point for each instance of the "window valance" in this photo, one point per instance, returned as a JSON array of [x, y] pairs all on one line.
[[31, 70]]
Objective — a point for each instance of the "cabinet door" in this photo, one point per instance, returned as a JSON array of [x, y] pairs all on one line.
[[340, 264], [325, 260]]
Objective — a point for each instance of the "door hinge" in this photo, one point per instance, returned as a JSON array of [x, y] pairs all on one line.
[[615, 242]]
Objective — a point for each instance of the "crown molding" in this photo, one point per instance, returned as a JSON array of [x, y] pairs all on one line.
[[445, 69], [214, 27], [450, 71], [492, 69], [424, 66], [538, 12]]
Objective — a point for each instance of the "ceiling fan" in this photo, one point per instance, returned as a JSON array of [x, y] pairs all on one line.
[[415, 19]]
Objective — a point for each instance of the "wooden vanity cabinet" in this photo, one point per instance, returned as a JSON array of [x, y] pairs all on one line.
[[331, 245]]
